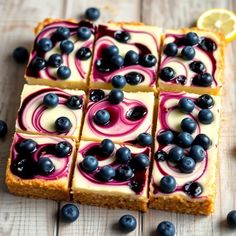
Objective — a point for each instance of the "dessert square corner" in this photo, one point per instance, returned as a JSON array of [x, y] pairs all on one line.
[[75, 57], [204, 73], [195, 190], [64, 119], [119, 192], [139, 39], [24, 173]]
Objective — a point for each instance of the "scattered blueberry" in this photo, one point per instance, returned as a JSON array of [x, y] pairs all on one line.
[[110, 51], [44, 45], [181, 79], [83, 33], [188, 125], [21, 55], [140, 161], [118, 81], [122, 36], [83, 54], [136, 113], [160, 155], [167, 184], [62, 33], [193, 189], [186, 105], [89, 164], [187, 165], [191, 38], [63, 149], [24, 168], [197, 153], [66, 46], [202, 140], [117, 61], [55, 60], [38, 63], [203, 80], [131, 58], [231, 219], [102, 117], [27, 146], [103, 65], [144, 139], [123, 155], [45, 166], [3, 128], [165, 228], [92, 13], [171, 49], [167, 73], [134, 78], [205, 116], [149, 60], [124, 173], [107, 173], [74, 102], [188, 53], [127, 223], [185, 139], [205, 101], [165, 137], [63, 124], [207, 44], [176, 154], [106, 147], [197, 67], [69, 213], [116, 96], [50, 100], [63, 72], [96, 95]]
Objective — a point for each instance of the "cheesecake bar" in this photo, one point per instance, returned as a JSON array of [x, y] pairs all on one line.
[[61, 54], [127, 50], [186, 153], [111, 175], [192, 60], [50, 111], [122, 120], [40, 167]]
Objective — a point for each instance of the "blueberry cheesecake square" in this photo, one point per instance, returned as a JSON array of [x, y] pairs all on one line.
[[126, 56], [184, 171], [120, 116], [50, 111], [192, 60], [61, 54], [111, 175], [40, 166]]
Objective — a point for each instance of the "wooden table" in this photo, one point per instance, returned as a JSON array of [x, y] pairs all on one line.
[[23, 216]]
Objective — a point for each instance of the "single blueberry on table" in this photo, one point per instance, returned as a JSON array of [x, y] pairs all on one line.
[[92, 13], [102, 117], [21, 55], [123, 155], [63, 124], [127, 223], [45, 166], [63, 149], [3, 128], [89, 164], [50, 100], [118, 81], [165, 228], [171, 49], [231, 219], [107, 173], [69, 213], [106, 147], [167, 184]]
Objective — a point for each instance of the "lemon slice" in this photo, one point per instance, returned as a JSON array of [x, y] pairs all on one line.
[[219, 20]]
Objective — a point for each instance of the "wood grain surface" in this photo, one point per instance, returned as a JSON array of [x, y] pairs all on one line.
[[23, 216]]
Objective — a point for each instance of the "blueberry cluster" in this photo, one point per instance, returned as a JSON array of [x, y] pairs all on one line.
[[190, 41], [61, 35], [26, 167]]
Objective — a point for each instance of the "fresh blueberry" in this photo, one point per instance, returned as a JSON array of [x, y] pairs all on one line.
[[62, 33], [187, 165], [116, 96], [127, 223], [171, 49], [167, 184], [45, 166], [188, 53], [144, 139], [140, 161], [175, 154], [197, 153], [185, 139], [21, 55], [117, 61], [167, 73], [165, 228], [83, 54], [134, 78], [160, 155], [83, 33], [44, 45], [188, 125], [193, 189], [181, 79], [55, 60], [107, 173], [136, 113], [110, 51], [27, 146], [102, 117], [50, 100], [66, 46], [24, 168], [203, 80], [191, 38], [103, 65], [89, 164], [131, 58], [123, 155], [92, 13], [106, 147], [63, 72], [3, 128], [74, 102], [165, 137], [197, 67], [63, 124], [69, 213], [208, 45], [231, 219], [38, 63], [122, 36], [186, 105], [63, 149], [205, 101], [205, 116], [96, 95], [124, 173], [202, 140], [118, 81], [149, 60]]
